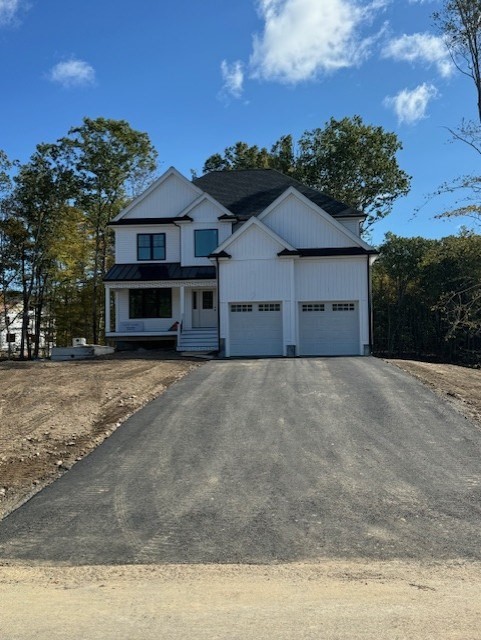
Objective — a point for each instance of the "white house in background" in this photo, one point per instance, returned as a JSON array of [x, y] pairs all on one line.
[[250, 263], [11, 320]]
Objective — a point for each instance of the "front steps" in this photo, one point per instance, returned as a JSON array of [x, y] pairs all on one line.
[[204, 339]]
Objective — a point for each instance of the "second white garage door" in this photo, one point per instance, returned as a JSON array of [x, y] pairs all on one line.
[[328, 328], [255, 329]]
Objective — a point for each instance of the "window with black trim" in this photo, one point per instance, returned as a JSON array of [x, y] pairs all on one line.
[[150, 303], [205, 241], [151, 246]]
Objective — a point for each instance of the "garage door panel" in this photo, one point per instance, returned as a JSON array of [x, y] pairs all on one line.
[[256, 329], [328, 328]]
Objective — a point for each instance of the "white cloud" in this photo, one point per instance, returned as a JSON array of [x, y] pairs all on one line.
[[305, 38], [72, 73], [233, 78], [8, 11], [421, 47], [411, 106]]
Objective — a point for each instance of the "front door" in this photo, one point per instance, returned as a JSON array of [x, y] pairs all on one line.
[[204, 308]]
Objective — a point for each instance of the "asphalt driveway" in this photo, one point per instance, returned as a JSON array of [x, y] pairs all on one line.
[[261, 461]]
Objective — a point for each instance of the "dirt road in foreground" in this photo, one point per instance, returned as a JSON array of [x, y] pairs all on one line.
[[328, 601]]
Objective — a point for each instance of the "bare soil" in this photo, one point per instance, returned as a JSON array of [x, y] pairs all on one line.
[[54, 413], [461, 386]]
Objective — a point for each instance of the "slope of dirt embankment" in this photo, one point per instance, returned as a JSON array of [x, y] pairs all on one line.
[[54, 413], [461, 386]]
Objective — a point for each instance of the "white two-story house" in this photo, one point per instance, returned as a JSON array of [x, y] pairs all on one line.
[[249, 263]]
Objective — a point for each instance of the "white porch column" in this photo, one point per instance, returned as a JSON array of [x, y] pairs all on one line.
[[182, 302], [107, 309]]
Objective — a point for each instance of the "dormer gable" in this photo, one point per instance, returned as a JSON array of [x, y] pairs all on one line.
[[254, 240], [166, 197], [205, 208]]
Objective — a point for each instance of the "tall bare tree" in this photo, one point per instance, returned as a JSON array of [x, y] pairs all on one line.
[[460, 23]]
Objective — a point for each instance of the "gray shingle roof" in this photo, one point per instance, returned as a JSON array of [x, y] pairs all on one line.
[[248, 192]]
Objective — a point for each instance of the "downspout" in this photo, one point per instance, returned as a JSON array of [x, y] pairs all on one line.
[[217, 272], [181, 319], [369, 303]]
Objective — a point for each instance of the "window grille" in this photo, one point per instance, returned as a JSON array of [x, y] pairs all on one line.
[[240, 308], [313, 306], [272, 306], [343, 306]]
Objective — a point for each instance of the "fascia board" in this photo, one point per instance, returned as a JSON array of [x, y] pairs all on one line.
[[171, 171], [324, 215]]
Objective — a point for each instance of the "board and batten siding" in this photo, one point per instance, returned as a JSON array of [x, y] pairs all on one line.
[[254, 244], [168, 200], [261, 280], [331, 278], [335, 280], [302, 227], [149, 324], [205, 211], [126, 242]]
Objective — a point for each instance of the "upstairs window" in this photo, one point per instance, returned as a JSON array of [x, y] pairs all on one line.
[[205, 241], [151, 246]]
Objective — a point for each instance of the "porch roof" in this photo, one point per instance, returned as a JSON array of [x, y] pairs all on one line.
[[150, 271]]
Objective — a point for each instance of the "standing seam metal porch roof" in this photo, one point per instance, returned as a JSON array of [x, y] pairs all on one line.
[[141, 272]]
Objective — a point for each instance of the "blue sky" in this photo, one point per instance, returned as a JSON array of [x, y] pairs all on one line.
[[198, 75]]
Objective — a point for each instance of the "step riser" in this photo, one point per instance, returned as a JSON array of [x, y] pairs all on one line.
[[199, 339]]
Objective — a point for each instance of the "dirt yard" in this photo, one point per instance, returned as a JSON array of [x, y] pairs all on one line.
[[461, 386], [54, 413]]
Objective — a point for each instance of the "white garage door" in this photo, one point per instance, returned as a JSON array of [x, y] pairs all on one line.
[[328, 328], [255, 329]]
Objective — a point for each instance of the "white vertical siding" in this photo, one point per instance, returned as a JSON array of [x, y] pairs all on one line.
[[331, 278], [302, 227], [254, 244], [126, 242], [205, 211], [255, 280], [335, 279], [168, 200]]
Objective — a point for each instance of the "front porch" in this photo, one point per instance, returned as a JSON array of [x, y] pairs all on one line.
[[183, 311]]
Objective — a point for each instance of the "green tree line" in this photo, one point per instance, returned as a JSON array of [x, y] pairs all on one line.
[[427, 298], [55, 245]]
